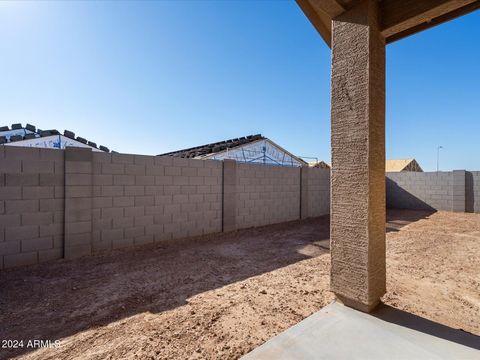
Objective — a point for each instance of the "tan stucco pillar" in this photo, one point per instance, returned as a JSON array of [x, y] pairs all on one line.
[[358, 158]]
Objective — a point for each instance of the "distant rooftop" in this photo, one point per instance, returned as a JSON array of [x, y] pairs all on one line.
[[21, 135], [247, 149], [402, 165], [319, 164], [214, 147]]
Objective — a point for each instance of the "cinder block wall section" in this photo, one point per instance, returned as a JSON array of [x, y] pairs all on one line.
[[31, 205], [420, 190], [473, 191], [318, 192], [70, 203], [65, 204], [266, 194], [78, 202], [457, 191], [144, 199]]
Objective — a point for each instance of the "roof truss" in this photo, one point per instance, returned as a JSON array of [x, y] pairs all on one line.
[[399, 18]]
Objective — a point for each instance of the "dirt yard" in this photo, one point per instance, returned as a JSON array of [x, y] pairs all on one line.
[[220, 297]]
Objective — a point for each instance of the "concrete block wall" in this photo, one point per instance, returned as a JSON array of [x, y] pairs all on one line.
[[457, 191], [420, 190], [31, 205], [71, 203], [473, 191], [78, 202], [145, 199], [304, 192], [266, 194], [229, 195], [318, 192], [65, 204]]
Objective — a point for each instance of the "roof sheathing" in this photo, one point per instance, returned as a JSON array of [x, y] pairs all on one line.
[[213, 148]]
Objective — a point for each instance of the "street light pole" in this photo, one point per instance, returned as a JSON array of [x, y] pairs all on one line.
[[438, 157]]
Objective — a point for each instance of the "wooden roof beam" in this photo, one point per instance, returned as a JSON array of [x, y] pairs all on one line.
[[320, 13], [401, 18]]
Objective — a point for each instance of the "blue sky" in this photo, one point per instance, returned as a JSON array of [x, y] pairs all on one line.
[[151, 77]]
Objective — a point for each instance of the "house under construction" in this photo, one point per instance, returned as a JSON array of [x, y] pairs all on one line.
[[402, 165], [248, 149], [30, 136]]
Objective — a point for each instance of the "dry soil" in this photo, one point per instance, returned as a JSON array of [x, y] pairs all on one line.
[[221, 296]]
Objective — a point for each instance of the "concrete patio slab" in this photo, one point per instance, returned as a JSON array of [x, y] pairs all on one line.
[[339, 332]]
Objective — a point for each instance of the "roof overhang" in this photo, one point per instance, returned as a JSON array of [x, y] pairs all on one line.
[[398, 18]]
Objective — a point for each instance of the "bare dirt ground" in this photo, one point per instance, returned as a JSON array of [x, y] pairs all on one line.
[[220, 297]]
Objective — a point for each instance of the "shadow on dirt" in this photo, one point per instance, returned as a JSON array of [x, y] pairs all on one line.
[[55, 300], [398, 218]]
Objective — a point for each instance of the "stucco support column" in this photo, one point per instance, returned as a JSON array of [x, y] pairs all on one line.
[[358, 158]]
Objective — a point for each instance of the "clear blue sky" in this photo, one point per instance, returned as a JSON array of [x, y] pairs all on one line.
[[150, 77]]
